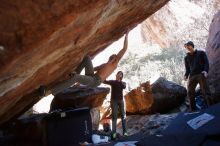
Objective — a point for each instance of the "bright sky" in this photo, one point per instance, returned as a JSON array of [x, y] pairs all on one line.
[[134, 39], [135, 45]]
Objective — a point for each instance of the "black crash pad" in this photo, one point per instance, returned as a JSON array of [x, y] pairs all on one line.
[[172, 140], [211, 143], [213, 140], [179, 125]]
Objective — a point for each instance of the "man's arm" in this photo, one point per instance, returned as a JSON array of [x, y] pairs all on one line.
[[123, 50], [109, 82], [123, 85]]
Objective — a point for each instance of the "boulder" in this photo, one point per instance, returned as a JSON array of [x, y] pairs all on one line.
[[77, 97], [213, 52], [167, 95], [160, 96], [43, 41]]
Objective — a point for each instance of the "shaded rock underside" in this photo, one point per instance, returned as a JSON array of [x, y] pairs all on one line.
[[42, 41]]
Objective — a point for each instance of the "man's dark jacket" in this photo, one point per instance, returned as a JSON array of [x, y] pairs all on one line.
[[196, 63]]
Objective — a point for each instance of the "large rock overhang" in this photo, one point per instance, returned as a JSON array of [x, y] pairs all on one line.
[[42, 41]]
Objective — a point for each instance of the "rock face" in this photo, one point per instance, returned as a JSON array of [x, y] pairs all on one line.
[[140, 100], [213, 52], [180, 21], [77, 97], [161, 96], [42, 41]]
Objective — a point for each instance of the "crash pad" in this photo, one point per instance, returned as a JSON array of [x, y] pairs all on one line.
[[171, 140], [179, 124]]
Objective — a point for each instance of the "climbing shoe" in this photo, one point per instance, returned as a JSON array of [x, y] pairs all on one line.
[[125, 134], [42, 91], [114, 135]]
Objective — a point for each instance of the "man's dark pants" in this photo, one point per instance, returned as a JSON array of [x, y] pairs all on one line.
[[89, 79], [192, 83], [115, 105]]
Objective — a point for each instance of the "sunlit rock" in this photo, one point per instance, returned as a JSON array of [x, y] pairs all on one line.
[[158, 97]]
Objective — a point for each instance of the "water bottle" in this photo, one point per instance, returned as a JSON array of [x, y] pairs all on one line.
[[99, 138]]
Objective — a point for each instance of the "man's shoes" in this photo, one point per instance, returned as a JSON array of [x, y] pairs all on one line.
[[42, 91], [114, 136], [126, 134]]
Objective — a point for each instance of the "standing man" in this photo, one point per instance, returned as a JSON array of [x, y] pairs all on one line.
[[197, 67], [93, 76], [117, 101]]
